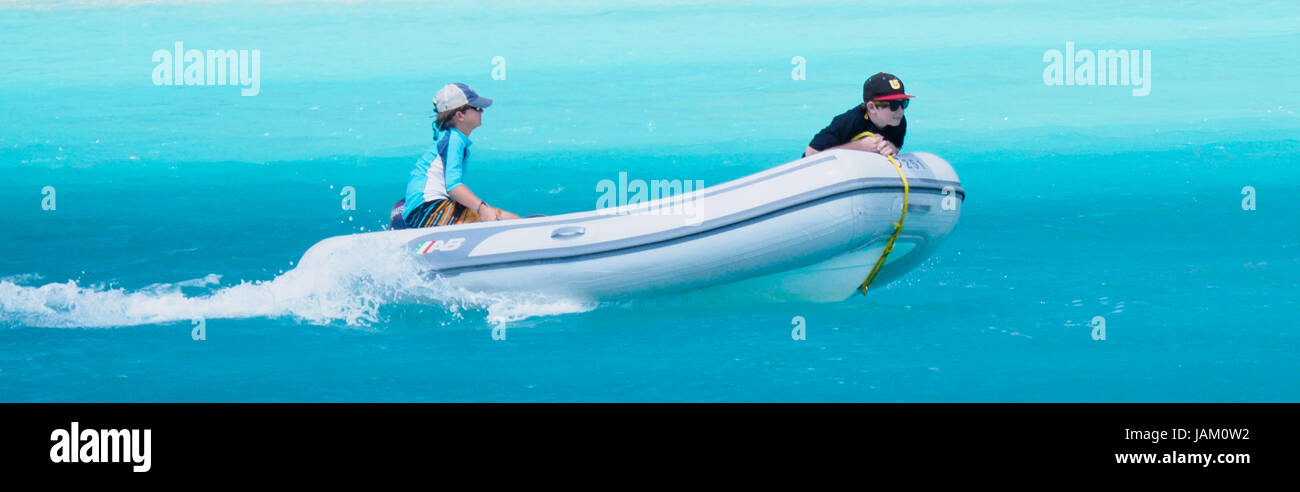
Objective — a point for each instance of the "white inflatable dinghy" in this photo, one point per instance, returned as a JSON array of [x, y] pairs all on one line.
[[811, 229]]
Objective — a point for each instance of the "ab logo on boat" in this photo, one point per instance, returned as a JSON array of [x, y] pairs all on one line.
[[441, 245]]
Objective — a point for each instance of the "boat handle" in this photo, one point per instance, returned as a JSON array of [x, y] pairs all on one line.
[[568, 232]]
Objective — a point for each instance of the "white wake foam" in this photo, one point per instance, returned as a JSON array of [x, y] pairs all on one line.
[[336, 281]]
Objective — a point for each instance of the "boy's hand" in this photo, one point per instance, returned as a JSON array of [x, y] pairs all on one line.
[[886, 148], [868, 144], [504, 215], [489, 213], [874, 143]]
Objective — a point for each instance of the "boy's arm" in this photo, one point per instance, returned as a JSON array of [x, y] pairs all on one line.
[[835, 136], [464, 196], [454, 171], [868, 144]]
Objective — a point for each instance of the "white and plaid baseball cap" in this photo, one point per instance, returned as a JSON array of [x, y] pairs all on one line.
[[455, 95]]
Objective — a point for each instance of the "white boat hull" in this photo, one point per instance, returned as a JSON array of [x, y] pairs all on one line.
[[808, 230]]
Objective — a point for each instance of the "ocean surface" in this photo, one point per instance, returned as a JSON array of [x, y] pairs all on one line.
[[135, 214]]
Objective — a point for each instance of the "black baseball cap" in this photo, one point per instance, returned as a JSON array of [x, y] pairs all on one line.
[[883, 87]]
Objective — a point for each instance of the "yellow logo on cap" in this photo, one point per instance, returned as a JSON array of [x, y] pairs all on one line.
[[893, 84]]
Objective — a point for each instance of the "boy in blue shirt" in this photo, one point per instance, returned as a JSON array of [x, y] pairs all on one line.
[[436, 194]]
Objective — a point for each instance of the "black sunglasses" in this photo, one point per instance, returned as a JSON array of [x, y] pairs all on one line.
[[892, 105]]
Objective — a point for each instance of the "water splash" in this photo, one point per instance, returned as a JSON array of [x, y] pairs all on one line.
[[337, 280]]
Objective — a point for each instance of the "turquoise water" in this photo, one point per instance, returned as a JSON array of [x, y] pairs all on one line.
[[180, 205]]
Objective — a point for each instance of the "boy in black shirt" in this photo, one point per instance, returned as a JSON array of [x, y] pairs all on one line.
[[880, 113]]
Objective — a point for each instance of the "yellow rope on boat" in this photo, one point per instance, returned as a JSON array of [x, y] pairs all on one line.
[[898, 226]]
